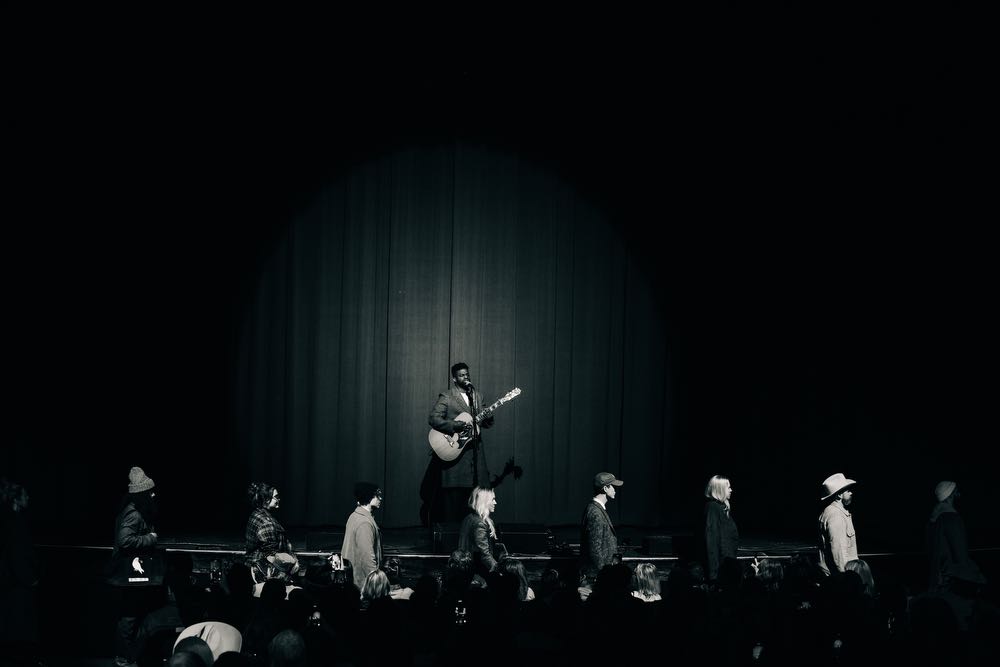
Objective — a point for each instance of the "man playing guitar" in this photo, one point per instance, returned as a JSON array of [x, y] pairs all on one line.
[[468, 469]]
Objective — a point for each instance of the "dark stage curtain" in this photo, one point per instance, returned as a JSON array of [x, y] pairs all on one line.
[[433, 255]]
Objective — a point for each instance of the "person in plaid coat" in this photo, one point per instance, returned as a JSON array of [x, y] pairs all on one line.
[[265, 536]]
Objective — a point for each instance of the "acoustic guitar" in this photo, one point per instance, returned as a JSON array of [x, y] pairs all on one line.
[[449, 447]]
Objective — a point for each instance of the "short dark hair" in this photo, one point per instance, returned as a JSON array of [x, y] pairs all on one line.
[[196, 645], [185, 659], [457, 367], [287, 648]]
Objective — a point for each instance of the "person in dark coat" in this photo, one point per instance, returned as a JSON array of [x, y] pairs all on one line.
[[447, 484], [265, 537], [135, 536], [598, 541], [478, 534], [721, 535], [18, 580], [947, 545]]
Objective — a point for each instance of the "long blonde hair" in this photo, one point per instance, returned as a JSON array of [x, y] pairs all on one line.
[[479, 501], [647, 582], [716, 488], [375, 586]]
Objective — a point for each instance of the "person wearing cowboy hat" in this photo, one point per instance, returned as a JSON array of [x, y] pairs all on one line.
[[838, 543]]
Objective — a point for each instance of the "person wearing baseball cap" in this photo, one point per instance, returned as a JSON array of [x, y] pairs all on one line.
[[837, 540], [598, 542]]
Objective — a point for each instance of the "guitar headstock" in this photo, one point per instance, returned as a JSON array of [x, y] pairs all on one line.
[[513, 393]]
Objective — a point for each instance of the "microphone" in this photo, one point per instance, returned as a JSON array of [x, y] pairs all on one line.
[[469, 385]]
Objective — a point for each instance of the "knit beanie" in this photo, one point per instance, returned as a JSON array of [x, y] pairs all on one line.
[[137, 481], [943, 490]]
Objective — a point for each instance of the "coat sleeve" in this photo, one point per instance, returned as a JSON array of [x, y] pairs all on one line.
[[482, 536], [713, 539], [438, 418], [130, 535], [366, 546]]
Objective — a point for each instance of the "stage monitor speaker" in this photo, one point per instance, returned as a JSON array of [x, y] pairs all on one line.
[[527, 538], [444, 538], [681, 545], [325, 540], [519, 538], [658, 545]]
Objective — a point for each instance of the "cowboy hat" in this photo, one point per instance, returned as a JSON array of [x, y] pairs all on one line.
[[834, 484]]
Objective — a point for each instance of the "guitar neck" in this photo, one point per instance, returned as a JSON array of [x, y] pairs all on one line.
[[485, 412]]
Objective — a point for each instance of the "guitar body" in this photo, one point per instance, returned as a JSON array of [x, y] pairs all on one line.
[[449, 447]]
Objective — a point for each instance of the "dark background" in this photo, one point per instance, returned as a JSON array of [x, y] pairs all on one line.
[[805, 195]]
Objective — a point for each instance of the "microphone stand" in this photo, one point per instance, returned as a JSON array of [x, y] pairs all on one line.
[[474, 407]]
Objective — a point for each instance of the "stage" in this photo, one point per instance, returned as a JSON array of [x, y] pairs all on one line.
[[420, 550]]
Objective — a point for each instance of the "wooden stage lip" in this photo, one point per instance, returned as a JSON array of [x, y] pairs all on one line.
[[638, 544]]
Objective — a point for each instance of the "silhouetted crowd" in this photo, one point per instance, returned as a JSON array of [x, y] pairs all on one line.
[[766, 611], [760, 611]]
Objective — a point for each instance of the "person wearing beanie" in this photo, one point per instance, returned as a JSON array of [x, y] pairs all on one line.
[[135, 536], [947, 546], [838, 544], [362, 538]]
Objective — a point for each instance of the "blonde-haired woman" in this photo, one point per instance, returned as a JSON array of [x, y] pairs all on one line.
[[376, 586], [478, 534], [647, 583], [721, 536]]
